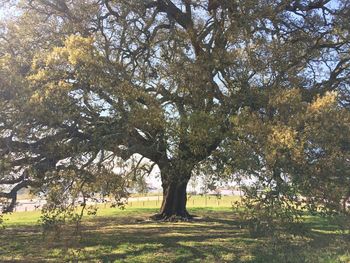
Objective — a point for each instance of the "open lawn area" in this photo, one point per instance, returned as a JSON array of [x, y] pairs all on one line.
[[128, 235]]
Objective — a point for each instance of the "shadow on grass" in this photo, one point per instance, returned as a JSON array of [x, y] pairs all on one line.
[[213, 237]]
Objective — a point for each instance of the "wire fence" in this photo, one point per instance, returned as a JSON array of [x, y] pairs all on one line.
[[146, 202]]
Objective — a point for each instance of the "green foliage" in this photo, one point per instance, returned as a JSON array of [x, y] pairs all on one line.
[[1, 220], [257, 91], [294, 160], [267, 213]]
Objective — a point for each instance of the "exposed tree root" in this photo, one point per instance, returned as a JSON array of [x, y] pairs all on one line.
[[184, 217]]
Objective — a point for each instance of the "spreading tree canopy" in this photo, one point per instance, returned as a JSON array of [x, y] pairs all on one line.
[[257, 90]]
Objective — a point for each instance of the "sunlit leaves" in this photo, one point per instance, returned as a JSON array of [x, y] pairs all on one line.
[[256, 88]]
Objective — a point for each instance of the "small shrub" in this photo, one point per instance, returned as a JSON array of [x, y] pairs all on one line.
[[266, 215]]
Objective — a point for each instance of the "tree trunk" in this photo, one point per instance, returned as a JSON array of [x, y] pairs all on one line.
[[174, 198]]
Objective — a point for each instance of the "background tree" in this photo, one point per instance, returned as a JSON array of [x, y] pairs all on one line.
[[87, 83]]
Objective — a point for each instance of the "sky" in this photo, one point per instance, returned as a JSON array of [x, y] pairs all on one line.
[[5, 11]]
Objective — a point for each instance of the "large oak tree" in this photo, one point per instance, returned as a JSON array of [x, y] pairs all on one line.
[[181, 83]]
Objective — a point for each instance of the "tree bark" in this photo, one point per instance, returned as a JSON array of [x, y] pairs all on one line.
[[174, 197]]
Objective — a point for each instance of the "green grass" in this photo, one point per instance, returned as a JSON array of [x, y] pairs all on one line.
[[209, 202], [116, 235]]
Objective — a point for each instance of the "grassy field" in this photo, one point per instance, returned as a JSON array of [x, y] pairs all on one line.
[[116, 235], [104, 210]]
